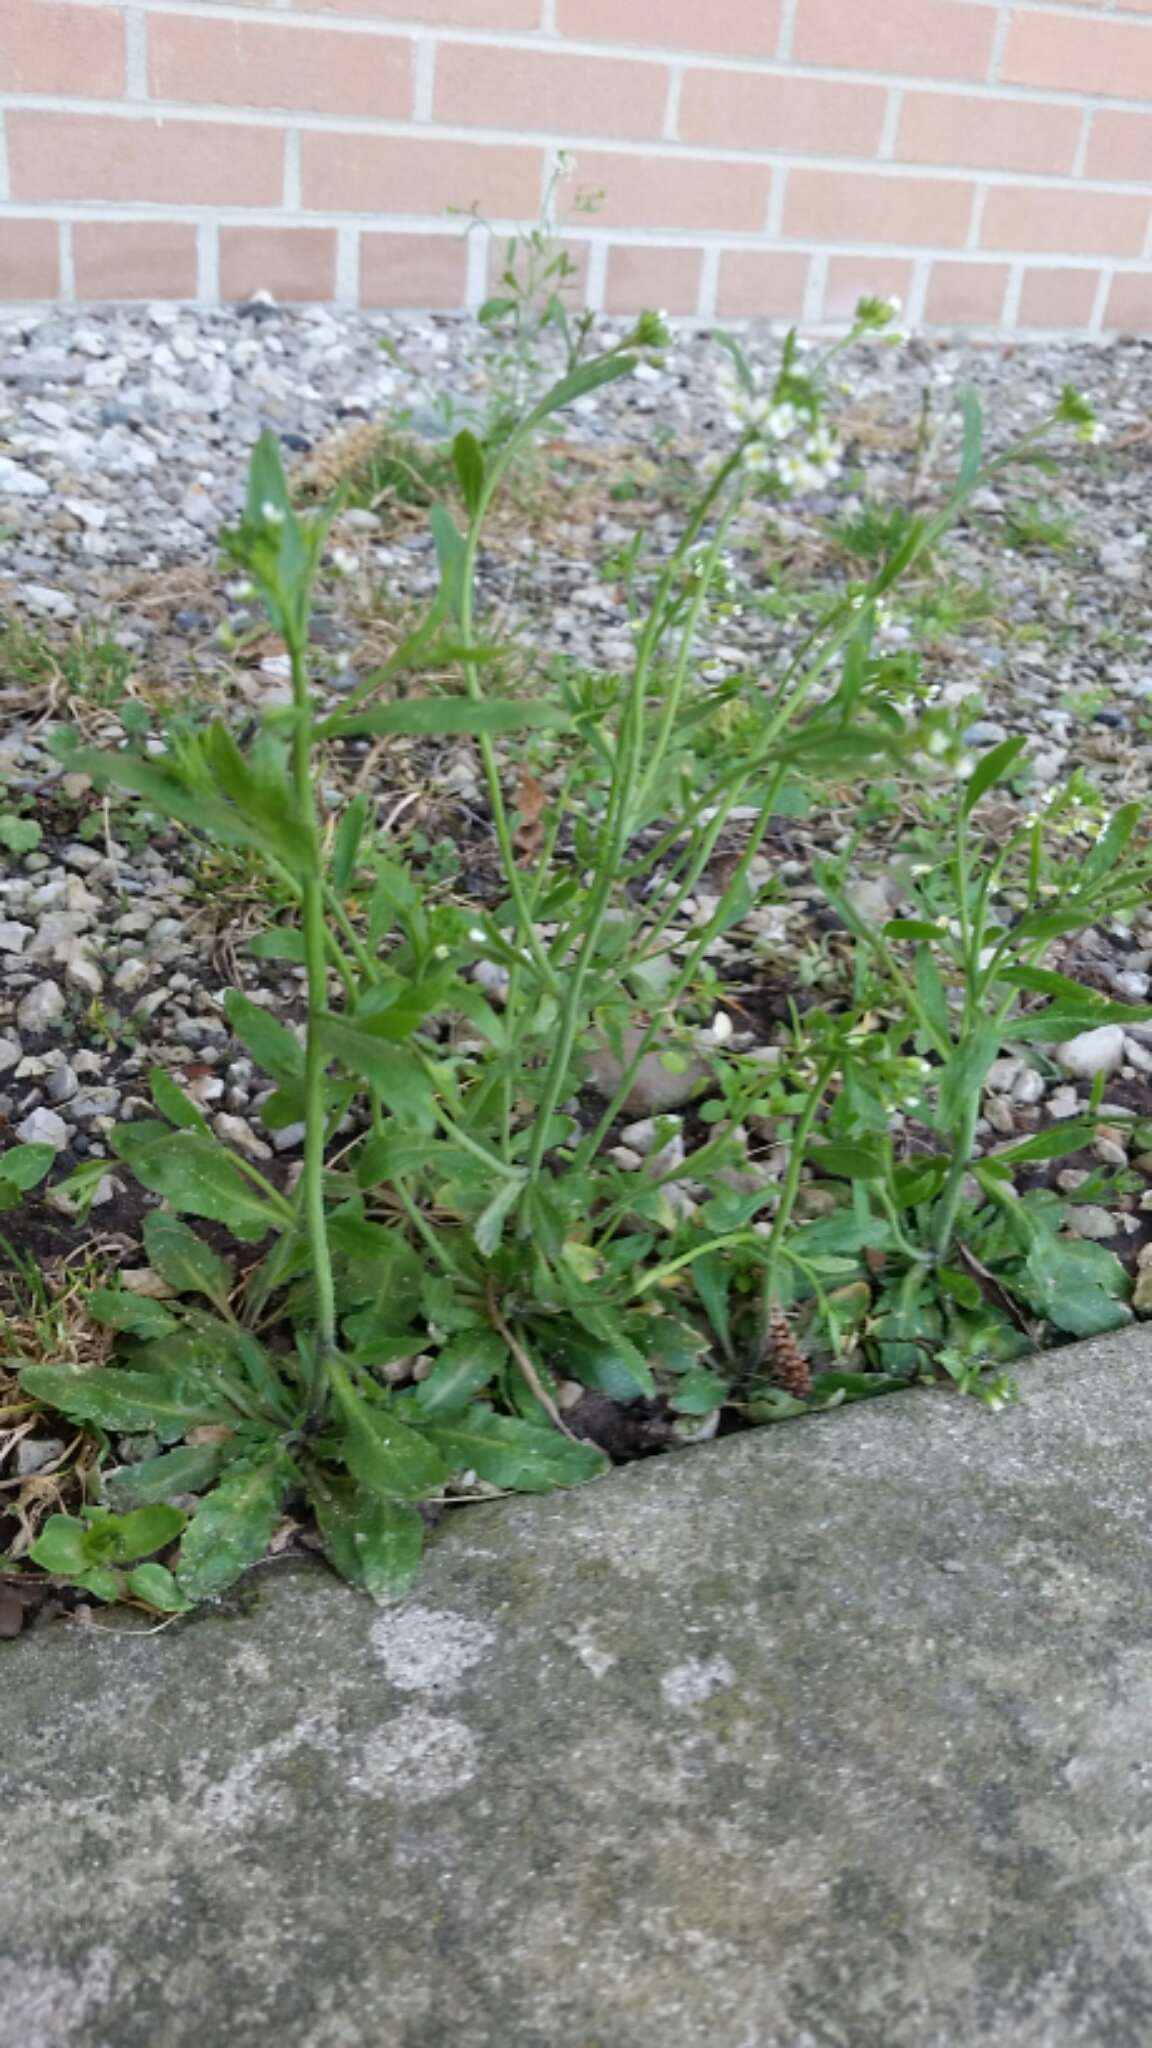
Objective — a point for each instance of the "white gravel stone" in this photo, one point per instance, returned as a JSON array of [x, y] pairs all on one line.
[[44, 1127], [42, 1006], [1100, 1051]]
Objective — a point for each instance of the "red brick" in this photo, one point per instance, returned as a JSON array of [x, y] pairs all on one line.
[[445, 13], [1129, 308], [689, 193], [757, 284], [487, 86], [413, 271], [966, 294], [929, 38], [846, 206], [852, 278], [731, 28], [166, 162], [1058, 298], [1058, 221], [291, 263], [50, 47], [261, 64], [409, 174], [972, 131], [1120, 146], [134, 259], [667, 279], [29, 259], [808, 116], [1074, 55]]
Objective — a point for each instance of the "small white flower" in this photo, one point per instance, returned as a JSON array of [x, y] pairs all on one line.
[[964, 767], [478, 936], [894, 302], [345, 562], [272, 515], [721, 1028]]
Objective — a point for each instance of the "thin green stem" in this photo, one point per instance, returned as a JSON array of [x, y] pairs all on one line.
[[315, 1063]]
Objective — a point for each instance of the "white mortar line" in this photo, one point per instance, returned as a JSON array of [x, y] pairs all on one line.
[[5, 188], [291, 199], [999, 39], [548, 18], [317, 17], [67, 264], [709, 283], [918, 291], [135, 54], [208, 264], [787, 31], [816, 290], [479, 246], [1100, 303], [671, 129], [976, 224], [423, 78], [1080, 158], [596, 280], [348, 264], [1011, 313], [891, 128], [774, 224]]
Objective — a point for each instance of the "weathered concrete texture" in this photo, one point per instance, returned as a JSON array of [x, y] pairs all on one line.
[[836, 1736]]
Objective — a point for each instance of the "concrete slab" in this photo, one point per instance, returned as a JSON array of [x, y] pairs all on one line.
[[834, 1736]]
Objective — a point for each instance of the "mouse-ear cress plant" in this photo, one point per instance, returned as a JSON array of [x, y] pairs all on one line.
[[460, 1244]]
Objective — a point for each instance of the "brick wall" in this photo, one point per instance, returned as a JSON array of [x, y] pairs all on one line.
[[990, 161]]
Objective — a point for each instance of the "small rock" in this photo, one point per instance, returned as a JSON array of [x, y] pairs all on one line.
[[47, 603], [42, 1006], [655, 1087], [11, 1053], [1142, 1292], [1110, 1152], [145, 1282], [1100, 1051], [999, 1114], [44, 1127], [13, 937], [1091, 1221], [1063, 1103], [62, 1084], [234, 1131], [1029, 1089], [18, 482], [34, 1453]]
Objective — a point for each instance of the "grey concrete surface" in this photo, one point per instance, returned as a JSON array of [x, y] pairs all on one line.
[[838, 1735]]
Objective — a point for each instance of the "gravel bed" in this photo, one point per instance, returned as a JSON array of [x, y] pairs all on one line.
[[124, 438]]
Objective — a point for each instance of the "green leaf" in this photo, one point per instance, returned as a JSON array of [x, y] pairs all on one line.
[[603, 1357], [234, 1524], [200, 1177], [172, 1102], [488, 1229], [155, 1585], [1076, 1285], [395, 1073], [144, 1530], [165, 1404], [990, 769], [61, 1547], [184, 1261], [381, 1452], [267, 484], [190, 1469], [911, 928], [19, 835], [135, 1314], [849, 1162], [518, 1455], [468, 457], [462, 1370], [933, 999], [699, 1392], [1106, 853], [965, 1071], [710, 1273], [272, 1045], [451, 555], [25, 1166], [591, 376], [435, 717], [1055, 1143], [346, 844], [1055, 1025], [371, 1542]]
